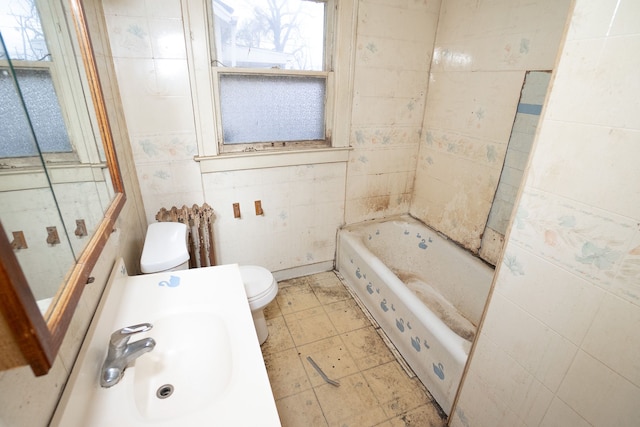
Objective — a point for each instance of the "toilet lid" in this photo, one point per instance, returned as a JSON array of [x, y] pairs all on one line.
[[257, 280]]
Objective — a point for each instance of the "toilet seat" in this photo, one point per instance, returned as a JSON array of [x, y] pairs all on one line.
[[259, 285]]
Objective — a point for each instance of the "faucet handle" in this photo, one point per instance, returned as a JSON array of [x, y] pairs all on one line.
[[121, 336]]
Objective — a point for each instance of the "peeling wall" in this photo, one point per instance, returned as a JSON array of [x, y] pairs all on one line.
[[482, 52], [394, 44]]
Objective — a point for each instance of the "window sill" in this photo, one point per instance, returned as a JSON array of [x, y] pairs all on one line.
[[271, 159], [15, 179]]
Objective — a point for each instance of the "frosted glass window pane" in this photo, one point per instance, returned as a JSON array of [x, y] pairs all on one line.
[[44, 111], [272, 108]]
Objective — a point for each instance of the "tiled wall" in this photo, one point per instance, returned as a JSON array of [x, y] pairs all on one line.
[[149, 53], [559, 343], [303, 207], [481, 54], [34, 209], [27, 400], [394, 45]]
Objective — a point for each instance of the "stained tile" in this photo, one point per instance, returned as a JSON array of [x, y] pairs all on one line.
[[373, 391], [346, 316], [272, 310], [370, 417], [366, 348], [309, 325], [331, 355], [296, 298], [300, 409], [396, 392], [330, 291], [423, 416], [279, 337], [350, 403], [286, 373], [327, 276]]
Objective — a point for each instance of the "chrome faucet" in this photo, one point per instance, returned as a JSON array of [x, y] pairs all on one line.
[[121, 353]]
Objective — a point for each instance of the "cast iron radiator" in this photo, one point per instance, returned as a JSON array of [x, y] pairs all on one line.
[[199, 221]]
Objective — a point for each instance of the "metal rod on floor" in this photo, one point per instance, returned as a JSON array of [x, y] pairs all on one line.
[[322, 374]]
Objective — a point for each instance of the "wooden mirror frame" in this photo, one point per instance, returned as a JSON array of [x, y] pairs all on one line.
[[25, 337]]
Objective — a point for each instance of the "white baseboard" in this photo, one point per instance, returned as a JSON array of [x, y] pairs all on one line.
[[304, 270]]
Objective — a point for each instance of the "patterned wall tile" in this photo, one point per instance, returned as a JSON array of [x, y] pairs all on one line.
[[585, 240]]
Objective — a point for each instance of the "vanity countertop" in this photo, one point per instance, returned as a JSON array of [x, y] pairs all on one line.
[[207, 351]]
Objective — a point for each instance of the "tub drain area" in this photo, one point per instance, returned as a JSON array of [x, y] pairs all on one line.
[[164, 391]]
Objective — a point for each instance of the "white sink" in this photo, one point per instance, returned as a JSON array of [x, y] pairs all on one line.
[[186, 371], [206, 367]]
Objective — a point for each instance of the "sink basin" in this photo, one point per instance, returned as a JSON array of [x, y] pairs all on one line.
[[206, 367], [192, 371]]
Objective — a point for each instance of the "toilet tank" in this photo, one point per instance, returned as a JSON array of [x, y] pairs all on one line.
[[165, 247]]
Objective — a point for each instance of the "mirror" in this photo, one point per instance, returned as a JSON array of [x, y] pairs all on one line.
[[59, 177], [54, 185]]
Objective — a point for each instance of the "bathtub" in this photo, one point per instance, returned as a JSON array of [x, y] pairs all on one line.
[[426, 293]]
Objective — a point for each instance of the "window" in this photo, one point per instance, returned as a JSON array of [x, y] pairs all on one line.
[[271, 68], [45, 87]]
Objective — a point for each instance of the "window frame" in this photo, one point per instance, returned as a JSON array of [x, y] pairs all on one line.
[[327, 74], [70, 87]]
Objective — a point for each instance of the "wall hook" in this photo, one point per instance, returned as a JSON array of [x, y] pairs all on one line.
[[258, 205], [52, 236], [19, 242], [81, 228]]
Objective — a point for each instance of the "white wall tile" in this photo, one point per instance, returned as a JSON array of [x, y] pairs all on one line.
[[386, 52], [624, 20], [561, 415], [561, 300], [598, 394], [164, 147], [161, 8], [516, 399], [167, 38], [613, 335], [575, 81], [606, 158], [542, 352], [481, 104], [501, 35], [155, 77], [399, 23], [129, 36]]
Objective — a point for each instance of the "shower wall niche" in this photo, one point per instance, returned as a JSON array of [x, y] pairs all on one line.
[[523, 132]]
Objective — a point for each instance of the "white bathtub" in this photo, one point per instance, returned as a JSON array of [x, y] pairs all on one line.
[[426, 293]]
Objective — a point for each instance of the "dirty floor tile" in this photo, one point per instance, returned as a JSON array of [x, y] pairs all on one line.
[[316, 316]]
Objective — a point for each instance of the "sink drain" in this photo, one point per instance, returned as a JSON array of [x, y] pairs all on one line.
[[164, 391]]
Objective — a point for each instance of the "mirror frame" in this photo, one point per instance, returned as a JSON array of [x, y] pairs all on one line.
[[26, 338]]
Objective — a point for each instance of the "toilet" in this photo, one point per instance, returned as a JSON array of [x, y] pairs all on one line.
[[165, 249]]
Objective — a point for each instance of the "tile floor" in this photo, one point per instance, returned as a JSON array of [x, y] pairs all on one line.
[[316, 316]]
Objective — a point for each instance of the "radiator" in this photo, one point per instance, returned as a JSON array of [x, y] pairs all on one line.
[[199, 221]]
